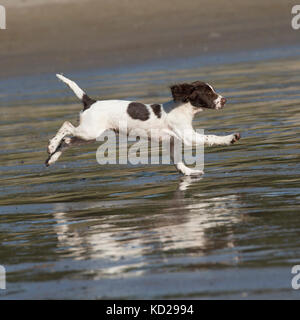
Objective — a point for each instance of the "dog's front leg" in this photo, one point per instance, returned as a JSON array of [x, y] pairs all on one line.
[[180, 166], [192, 138], [212, 140]]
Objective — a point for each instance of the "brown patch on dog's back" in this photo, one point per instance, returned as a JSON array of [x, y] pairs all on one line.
[[138, 111], [156, 109]]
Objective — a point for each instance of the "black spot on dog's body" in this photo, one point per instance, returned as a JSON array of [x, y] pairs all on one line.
[[156, 109], [198, 93], [138, 111], [87, 101]]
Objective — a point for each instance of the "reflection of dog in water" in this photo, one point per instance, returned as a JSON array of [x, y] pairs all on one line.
[[189, 220], [172, 120]]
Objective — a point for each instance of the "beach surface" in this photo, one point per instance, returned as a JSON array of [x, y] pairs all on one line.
[[58, 36], [81, 230]]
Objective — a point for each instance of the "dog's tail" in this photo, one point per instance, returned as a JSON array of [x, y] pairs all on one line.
[[81, 95]]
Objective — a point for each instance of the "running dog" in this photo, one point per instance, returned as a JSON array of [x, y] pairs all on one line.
[[172, 119]]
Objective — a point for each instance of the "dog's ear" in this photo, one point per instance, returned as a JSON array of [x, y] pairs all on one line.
[[181, 92]]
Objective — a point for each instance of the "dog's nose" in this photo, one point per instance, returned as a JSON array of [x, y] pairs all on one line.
[[223, 101]]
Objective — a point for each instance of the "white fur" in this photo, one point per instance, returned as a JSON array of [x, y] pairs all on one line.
[[79, 93], [218, 102], [175, 121]]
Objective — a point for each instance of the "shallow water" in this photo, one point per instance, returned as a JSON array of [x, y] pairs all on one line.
[[81, 230]]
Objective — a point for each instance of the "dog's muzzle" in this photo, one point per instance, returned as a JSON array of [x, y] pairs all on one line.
[[223, 101], [220, 103]]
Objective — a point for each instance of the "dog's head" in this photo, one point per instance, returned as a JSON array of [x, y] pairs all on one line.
[[199, 94]]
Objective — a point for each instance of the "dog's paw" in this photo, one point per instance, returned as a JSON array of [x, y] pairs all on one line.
[[236, 137], [196, 173], [192, 172], [53, 158], [47, 164]]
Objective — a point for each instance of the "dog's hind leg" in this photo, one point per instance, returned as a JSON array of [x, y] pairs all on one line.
[[66, 129], [65, 144]]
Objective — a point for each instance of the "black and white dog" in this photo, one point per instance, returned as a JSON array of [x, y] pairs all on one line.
[[172, 119]]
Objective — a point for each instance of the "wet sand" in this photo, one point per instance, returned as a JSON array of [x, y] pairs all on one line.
[[74, 35], [80, 230]]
